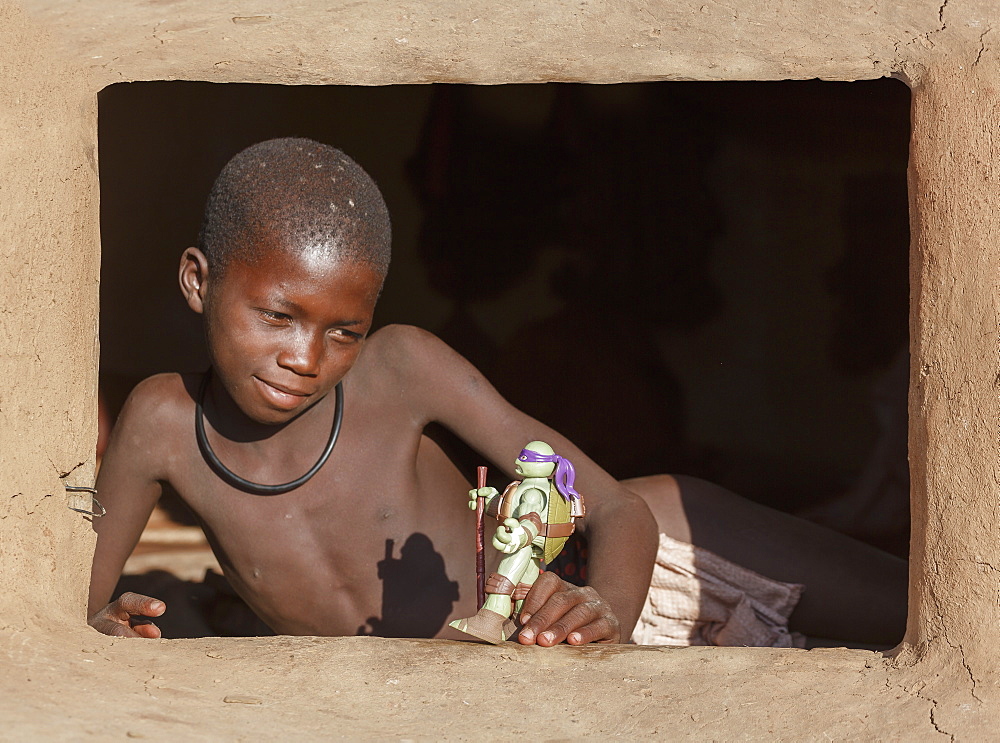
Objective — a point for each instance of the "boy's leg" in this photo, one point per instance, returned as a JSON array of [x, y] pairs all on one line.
[[853, 591]]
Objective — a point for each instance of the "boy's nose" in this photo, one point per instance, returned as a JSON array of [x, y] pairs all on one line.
[[303, 356]]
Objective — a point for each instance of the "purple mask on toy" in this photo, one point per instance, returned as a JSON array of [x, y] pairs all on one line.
[[565, 475]]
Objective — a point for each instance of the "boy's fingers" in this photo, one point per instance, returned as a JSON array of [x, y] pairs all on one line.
[[557, 605], [114, 629], [545, 586], [137, 604], [602, 630], [147, 630], [580, 615], [554, 611]]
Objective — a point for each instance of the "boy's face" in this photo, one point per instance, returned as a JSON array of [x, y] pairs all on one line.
[[282, 333]]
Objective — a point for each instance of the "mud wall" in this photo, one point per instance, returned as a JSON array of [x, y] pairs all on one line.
[[57, 56], [48, 319]]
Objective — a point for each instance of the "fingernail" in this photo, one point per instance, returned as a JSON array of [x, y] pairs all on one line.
[[574, 637], [527, 634], [525, 616], [156, 605], [547, 636]]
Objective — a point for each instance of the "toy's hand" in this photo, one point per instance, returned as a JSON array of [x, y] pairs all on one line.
[[486, 493], [555, 610], [510, 536], [127, 616]]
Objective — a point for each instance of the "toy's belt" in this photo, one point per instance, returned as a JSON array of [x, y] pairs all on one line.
[[554, 531], [557, 531]]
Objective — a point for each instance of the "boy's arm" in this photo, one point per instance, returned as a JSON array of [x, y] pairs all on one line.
[[128, 489], [620, 529]]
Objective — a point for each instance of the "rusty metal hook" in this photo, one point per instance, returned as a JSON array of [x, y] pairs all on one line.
[[96, 510]]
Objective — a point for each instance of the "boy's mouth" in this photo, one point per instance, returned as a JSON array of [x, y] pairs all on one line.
[[281, 396]]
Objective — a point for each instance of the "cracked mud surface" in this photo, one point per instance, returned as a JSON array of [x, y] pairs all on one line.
[[85, 685]]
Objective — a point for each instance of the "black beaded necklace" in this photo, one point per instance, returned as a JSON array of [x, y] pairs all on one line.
[[253, 487]]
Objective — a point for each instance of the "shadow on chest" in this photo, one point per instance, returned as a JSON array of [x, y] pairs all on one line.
[[417, 594]]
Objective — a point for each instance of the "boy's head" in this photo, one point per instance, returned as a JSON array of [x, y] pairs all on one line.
[[290, 263], [300, 194]]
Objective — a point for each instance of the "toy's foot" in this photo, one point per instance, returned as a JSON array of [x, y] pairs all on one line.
[[486, 625], [511, 627]]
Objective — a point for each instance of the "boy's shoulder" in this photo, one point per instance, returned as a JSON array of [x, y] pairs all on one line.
[[403, 361], [157, 417], [402, 350], [160, 401]]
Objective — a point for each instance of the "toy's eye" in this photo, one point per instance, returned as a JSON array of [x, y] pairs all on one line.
[[523, 458]]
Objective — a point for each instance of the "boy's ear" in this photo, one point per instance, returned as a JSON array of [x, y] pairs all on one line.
[[193, 278]]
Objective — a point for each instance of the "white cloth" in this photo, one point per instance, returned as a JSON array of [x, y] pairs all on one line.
[[698, 598]]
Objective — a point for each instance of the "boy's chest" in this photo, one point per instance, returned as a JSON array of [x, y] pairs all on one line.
[[349, 547], [351, 488], [383, 483], [373, 455], [387, 510]]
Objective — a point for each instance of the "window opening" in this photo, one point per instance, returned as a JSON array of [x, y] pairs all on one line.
[[714, 273]]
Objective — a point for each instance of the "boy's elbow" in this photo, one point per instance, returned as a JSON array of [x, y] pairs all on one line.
[[627, 510]]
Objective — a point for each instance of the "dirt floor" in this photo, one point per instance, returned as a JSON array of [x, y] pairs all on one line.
[[82, 685]]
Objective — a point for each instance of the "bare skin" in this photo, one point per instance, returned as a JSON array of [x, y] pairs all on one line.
[[281, 335]]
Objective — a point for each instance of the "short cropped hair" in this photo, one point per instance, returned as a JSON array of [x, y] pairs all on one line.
[[301, 193]]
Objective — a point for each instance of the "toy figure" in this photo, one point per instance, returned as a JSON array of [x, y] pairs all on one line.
[[538, 515]]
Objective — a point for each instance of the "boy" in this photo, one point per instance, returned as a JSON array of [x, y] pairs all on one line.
[[290, 263]]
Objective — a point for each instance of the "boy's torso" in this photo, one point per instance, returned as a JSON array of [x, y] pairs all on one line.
[[379, 540]]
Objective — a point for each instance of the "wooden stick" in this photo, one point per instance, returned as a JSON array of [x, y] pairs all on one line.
[[480, 538]]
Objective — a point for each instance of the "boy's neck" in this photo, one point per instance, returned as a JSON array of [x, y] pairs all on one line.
[[228, 420]]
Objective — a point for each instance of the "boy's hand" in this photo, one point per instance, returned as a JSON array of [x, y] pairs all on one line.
[[127, 616], [486, 493], [555, 610]]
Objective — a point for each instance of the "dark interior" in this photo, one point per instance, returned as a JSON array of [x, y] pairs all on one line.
[[708, 278]]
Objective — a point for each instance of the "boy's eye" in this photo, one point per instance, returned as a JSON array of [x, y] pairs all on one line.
[[274, 317], [342, 334]]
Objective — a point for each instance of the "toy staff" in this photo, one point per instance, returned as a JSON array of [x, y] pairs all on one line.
[[536, 516], [480, 536]]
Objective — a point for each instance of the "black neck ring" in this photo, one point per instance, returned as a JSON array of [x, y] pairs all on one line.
[[249, 486]]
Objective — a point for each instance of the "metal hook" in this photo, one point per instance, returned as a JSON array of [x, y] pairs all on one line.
[[96, 510]]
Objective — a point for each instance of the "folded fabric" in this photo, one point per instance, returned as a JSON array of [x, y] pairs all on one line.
[[698, 598]]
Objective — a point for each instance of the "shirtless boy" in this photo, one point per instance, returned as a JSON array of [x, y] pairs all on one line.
[[290, 263]]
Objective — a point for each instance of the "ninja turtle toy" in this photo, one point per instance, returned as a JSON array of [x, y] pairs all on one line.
[[537, 516]]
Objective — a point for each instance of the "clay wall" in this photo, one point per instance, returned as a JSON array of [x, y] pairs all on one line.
[[55, 58]]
